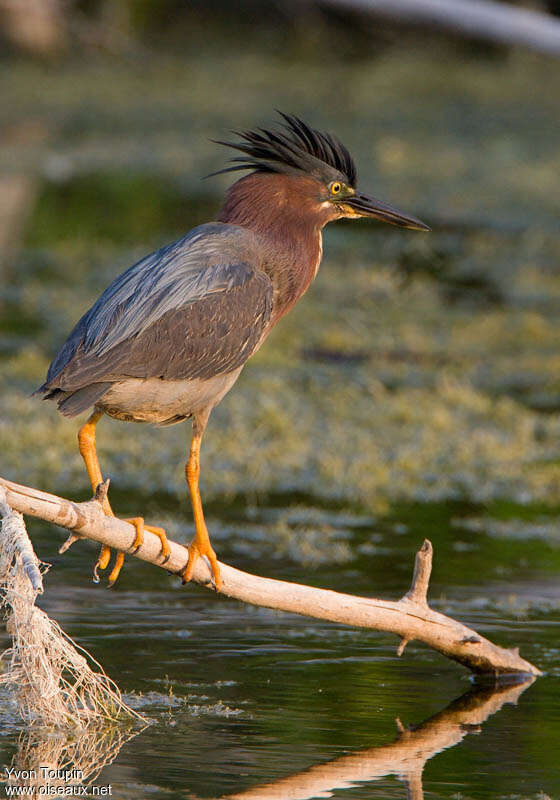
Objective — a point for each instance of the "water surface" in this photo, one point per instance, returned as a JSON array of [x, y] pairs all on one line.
[[241, 697]]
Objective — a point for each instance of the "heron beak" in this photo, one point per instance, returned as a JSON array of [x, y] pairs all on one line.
[[360, 205]]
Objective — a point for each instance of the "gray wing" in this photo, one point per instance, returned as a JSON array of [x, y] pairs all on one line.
[[194, 309]]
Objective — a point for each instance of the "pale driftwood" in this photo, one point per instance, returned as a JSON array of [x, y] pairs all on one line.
[[410, 617], [483, 19], [406, 757]]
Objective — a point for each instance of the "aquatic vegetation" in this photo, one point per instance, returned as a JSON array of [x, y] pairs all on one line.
[[422, 369], [400, 425]]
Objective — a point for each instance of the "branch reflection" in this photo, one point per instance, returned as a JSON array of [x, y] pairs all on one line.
[[405, 757]]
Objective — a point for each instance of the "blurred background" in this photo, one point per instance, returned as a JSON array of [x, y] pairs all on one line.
[[414, 392]]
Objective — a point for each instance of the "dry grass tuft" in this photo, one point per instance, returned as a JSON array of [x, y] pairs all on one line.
[[51, 675]]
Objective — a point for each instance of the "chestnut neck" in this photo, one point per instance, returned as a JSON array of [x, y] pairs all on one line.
[[285, 214]]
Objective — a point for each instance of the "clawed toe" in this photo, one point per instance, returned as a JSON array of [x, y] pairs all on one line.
[[95, 576], [139, 526], [101, 563], [196, 550], [160, 533], [119, 561]]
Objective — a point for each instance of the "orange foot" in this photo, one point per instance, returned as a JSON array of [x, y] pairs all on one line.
[[200, 546], [140, 527]]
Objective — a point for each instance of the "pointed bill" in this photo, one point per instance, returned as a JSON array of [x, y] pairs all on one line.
[[360, 205]]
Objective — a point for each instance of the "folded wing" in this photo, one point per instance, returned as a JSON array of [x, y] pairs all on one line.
[[194, 309]]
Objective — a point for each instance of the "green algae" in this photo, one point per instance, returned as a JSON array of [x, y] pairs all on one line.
[[430, 413], [416, 368]]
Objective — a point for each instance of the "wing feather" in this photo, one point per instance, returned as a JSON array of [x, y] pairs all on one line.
[[194, 309]]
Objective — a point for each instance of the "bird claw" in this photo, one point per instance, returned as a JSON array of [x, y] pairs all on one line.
[[116, 571], [140, 526], [95, 577], [102, 562], [196, 550]]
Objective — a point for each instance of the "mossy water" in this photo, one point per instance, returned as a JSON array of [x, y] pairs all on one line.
[[414, 392]]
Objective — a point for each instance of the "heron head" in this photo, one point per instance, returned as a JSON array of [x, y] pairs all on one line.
[[322, 171]]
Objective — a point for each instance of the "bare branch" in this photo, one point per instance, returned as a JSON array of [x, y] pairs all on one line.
[[485, 19], [409, 618], [403, 643], [418, 592]]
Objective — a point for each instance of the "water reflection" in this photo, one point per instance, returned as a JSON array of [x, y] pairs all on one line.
[[48, 759], [405, 757]]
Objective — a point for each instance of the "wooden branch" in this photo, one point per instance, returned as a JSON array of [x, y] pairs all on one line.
[[409, 618], [483, 19], [405, 757]]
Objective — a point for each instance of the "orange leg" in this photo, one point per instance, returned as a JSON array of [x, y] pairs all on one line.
[[88, 451], [200, 545]]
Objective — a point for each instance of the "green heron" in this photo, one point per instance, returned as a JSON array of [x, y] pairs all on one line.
[[169, 337]]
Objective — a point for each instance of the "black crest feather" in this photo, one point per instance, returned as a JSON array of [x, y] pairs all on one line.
[[294, 148]]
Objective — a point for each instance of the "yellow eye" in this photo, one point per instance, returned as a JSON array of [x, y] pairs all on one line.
[[336, 187]]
